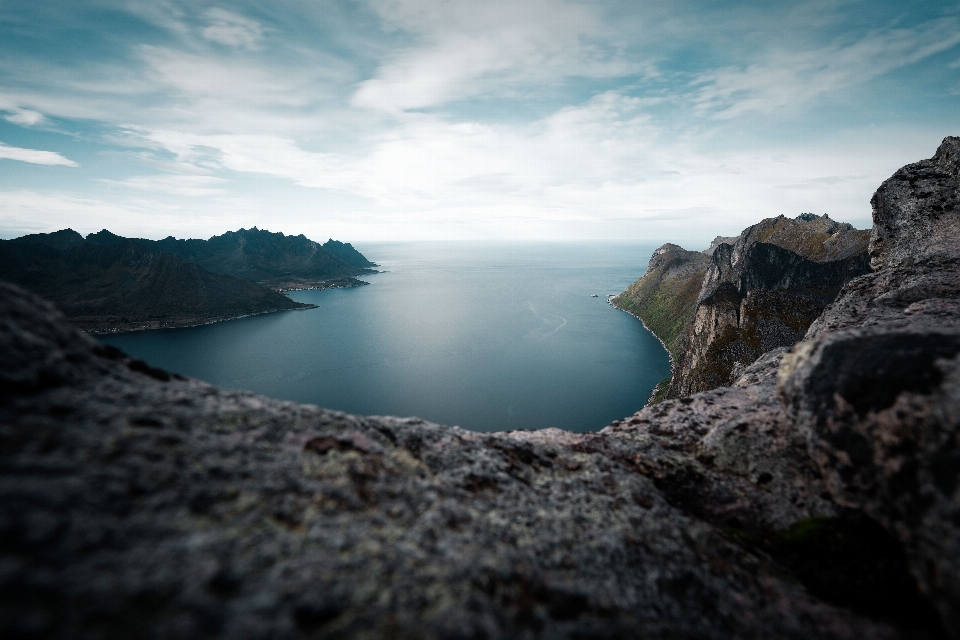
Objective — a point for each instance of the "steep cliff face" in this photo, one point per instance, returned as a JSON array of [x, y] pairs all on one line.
[[817, 497], [665, 298], [758, 294], [755, 292]]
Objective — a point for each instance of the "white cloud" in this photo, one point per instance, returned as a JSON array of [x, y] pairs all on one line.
[[25, 117], [233, 30], [174, 184], [261, 129], [195, 76], [465, 48], [599, 169], [24, 211], [789, 79], [35, 156]]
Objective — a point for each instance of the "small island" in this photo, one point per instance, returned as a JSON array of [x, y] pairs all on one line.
[[105, 283]]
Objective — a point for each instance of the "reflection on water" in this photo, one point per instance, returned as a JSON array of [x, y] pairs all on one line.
[[488, 336]]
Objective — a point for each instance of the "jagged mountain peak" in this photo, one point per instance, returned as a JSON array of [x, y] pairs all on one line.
[[58, 239]]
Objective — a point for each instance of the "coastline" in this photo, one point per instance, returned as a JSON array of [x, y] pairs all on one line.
[[185, 324], [349, 282], [653, 392], [338, 283]]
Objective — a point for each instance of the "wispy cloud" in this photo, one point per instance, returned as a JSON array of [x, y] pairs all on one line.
[[174, 184], [463, 48], [34, 156], [25, 117], [233, 30], [496, 118], [791, 78]]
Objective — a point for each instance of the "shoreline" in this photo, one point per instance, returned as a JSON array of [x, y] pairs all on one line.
[[653, 391], [153, 326], [350, 282], [338, 283]]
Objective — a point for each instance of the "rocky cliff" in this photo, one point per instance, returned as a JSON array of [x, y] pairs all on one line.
[[817, 497], [755, 292], [665, 299]]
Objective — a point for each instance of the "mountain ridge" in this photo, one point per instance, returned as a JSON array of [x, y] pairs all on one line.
[[107, 283], [755, 292]]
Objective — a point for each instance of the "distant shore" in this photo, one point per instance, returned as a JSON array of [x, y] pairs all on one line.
[[130, 327], [339, 283], [656, 389]]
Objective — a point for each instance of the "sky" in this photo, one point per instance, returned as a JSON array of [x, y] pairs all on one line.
[[378, 120]]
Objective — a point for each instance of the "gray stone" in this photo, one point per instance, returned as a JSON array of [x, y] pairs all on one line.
[[135, 503], [875, 386], [916, 212]]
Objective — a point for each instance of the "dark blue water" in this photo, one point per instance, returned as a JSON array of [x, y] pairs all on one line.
[[488, 336]]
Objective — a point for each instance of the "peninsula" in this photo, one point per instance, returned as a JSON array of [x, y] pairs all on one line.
[[107, 283]]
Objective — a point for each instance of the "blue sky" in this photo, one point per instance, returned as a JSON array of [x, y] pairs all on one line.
[[456, 119]]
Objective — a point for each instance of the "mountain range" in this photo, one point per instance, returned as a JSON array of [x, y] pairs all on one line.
[[104, 282]]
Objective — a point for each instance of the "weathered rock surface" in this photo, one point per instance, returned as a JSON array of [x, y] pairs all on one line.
[[134, 503], [875, 386], [915, 214]]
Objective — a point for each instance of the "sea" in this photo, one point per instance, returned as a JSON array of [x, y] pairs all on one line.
[[489, 336]]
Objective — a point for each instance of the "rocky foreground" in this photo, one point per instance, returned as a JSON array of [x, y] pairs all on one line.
[[817, 497]]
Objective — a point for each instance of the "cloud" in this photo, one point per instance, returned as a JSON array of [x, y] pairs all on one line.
[[789, 79], [35, 156], [25, 117], [567, 117], [463, 48], [233, 30], [174, 184], [24, 211], [193, 76]]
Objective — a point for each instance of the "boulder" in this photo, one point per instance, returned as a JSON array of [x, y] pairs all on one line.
[[875, 385]]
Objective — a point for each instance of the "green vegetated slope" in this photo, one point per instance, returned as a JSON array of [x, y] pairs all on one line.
[[752, 293], [106, 282], [666, 296]]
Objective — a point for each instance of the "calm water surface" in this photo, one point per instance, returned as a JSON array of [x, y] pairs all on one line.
[[488, 336]]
